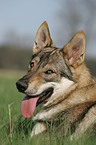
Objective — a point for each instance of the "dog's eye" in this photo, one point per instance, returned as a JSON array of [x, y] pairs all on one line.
[[32, 64], [49, 72]]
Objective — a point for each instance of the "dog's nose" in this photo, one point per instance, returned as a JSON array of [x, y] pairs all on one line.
[[21, 85]]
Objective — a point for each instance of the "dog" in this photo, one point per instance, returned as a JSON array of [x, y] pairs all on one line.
[[59, 80]]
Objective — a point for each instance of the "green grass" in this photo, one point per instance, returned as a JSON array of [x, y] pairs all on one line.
[[21, 128]]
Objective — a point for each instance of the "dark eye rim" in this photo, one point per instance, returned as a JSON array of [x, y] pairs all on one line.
[[48, 72], [31, 64]]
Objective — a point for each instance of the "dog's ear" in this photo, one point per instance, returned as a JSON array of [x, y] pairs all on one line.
[[42, 39], [74, 51]]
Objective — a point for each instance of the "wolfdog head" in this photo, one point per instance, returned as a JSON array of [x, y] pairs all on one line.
[[51, 73]]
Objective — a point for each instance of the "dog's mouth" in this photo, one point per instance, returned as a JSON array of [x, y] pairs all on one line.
[[29, 103]]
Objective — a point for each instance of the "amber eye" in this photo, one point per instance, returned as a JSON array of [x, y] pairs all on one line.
[[49, 72], [32, 64]]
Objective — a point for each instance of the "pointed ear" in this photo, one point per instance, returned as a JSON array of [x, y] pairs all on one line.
[[74, 51], [42, 39]]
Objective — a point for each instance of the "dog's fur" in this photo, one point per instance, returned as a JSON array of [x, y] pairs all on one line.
[[62, 76]]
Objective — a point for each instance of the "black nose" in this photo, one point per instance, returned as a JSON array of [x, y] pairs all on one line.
[[21, 85]]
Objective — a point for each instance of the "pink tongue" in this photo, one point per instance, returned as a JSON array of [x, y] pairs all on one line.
[[28, 107]]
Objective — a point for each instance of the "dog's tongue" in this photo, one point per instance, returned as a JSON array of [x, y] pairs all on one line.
[[28, 106]]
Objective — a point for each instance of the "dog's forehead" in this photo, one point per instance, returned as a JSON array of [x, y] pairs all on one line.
[[52, 57], [46, 53]]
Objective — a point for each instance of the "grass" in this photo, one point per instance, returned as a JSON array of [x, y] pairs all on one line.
[[20, 127]]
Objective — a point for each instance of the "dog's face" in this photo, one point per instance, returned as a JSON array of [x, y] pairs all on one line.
[[49, 74]]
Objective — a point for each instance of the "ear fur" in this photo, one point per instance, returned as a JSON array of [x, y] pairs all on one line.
[[42, 39], [74, 51]]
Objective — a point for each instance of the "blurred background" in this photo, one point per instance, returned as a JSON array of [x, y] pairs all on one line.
[[20, 20]]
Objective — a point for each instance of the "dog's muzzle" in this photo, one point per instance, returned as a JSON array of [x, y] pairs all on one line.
[[21, 85]]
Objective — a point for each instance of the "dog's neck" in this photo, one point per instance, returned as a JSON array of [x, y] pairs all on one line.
[[83, 76]]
